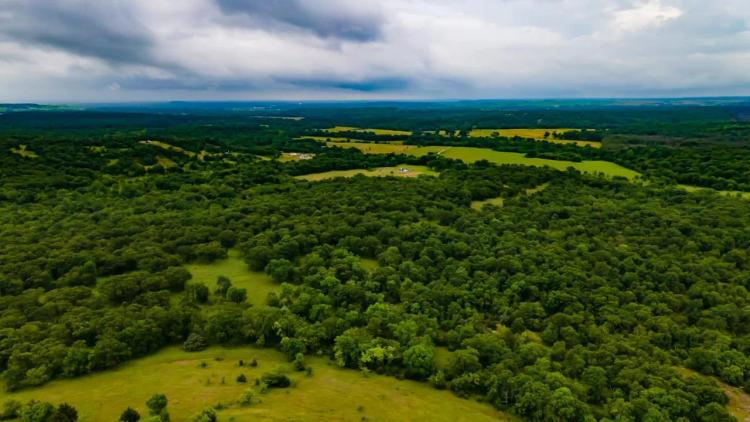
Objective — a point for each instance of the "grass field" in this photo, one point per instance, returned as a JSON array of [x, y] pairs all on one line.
[[294, 156], [258, 284], [23, 152], [330, 394], [372, 130], [414, 171], [372, 148], [536, 134], [163, 145], [732, 193], [471, 155]]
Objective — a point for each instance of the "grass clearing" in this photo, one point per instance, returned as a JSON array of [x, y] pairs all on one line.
[[376, 131], [295, 156], [413, 171], [731, 193], [470, 155], [23, 152], [500, 201], [163, 145], [369, 264], [330, 394], [258, 284]]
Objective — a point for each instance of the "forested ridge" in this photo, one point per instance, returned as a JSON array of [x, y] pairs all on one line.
[[587, 300]]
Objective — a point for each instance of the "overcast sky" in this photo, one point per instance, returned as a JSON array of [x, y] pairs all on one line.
[[143, 50]]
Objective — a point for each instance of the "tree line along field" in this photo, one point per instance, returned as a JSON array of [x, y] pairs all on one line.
[[583, 297]]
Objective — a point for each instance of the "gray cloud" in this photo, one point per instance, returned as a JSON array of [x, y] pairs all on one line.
[[335, 19], [85, 27], [108, 50]]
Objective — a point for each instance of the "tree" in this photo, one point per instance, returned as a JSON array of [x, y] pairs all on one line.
[[156, 404], [197, 292], [130, 415], [419, 361], [236, 294], [596, 379], [37, 411], [11, 410], [222, 285], [461, 362], [65, 413]]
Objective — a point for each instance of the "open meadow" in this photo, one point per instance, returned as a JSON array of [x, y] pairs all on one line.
[[376, 131], [329, 394], [471, 155]]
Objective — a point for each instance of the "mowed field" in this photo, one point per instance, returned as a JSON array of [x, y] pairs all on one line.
[[373, 148], [372, 130], [471, 155], [535, 134], [330, 394], [258, 284], [414, 171]]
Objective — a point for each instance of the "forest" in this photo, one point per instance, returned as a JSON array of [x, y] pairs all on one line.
[[579, 297]]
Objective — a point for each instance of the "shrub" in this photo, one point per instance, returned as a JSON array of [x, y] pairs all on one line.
[[275, 380], [195, 343], [206, 415]]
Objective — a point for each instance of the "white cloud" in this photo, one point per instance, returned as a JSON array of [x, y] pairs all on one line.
[[649, 13]]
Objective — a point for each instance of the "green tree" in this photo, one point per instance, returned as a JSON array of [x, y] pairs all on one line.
[[419, 361], [236, 294], [130, 415], [156, 404]]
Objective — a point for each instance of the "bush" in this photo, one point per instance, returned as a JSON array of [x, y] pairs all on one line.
[[275, 380], [11, 410], [247, 398], [299, 362], [130, 415], [207, 415], [195, 343], [241, 379]]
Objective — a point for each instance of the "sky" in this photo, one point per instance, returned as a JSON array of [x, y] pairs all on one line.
[[155, 50]]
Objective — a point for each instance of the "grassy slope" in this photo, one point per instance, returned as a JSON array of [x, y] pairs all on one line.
[[331, 394], [536, 134], [258, 284], [739, 401], [414, 171]]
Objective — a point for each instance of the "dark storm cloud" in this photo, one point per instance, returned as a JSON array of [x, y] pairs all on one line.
[[330, 19], [91, 28]]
